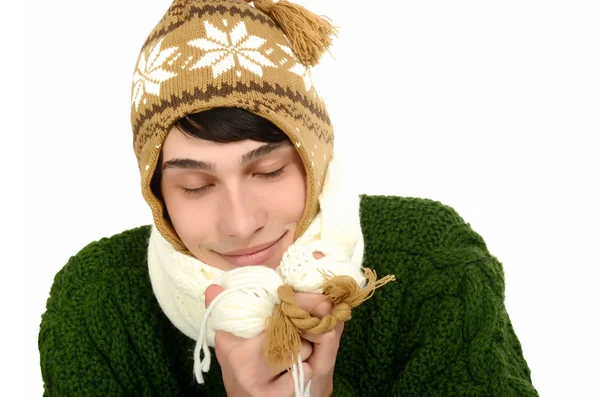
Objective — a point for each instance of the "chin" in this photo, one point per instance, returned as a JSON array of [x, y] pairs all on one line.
[[274, 263]]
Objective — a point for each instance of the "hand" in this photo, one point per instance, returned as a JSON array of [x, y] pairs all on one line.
[[324, 346], [245, 369]]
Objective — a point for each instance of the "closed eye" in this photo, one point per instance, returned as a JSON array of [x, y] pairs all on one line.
[[269, 175], [203, 189], [192, 192]]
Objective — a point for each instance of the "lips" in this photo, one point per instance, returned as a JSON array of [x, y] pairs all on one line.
[[251, 250], [256, 255]]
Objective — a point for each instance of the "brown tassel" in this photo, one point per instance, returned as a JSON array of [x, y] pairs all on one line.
[[345, 289], [309, 34], [283, 339], [282, 328]]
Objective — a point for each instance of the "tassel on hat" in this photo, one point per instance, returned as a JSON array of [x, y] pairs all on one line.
[[310, 34]]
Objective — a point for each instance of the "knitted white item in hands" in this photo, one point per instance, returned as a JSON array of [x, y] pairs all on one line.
[[335, 232], [250, 293], [179, 282]]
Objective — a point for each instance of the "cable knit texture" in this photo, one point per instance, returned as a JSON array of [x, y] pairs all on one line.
[[441, 329]]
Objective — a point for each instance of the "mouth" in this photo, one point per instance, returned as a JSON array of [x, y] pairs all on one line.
[[252, 256]]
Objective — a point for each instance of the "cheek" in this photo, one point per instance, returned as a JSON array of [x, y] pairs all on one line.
[[299, 199], [289, 197], [190, 220]]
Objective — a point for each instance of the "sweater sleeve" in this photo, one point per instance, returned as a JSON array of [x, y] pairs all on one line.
[[343, 388], [466, 343], [71, 363], [97, 336]]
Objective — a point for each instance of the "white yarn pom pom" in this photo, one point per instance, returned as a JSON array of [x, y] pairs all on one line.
[[244, 312]]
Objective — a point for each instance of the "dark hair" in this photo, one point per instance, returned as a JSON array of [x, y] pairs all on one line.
[[222, 125]]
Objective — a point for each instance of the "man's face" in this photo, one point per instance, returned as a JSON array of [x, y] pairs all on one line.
[[233, 204]]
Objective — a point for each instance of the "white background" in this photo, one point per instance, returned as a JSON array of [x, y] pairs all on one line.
[[492, 108]]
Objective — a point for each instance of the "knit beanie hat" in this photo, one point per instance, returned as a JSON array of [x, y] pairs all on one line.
[[204, 54]]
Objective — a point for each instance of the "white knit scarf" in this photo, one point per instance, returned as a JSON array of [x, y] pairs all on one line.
[[250, 293]]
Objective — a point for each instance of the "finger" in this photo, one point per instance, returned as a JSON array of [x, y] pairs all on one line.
[[284, 385], [224, 338], [211, 293], [326, 337], [306, 350], [325, 348], [234, 349], [317, 305]]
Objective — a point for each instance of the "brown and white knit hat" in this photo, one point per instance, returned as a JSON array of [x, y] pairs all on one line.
[[228, 53]]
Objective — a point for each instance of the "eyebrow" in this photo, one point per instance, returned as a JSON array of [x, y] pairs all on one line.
[[189, 164], [210, 167], [261, 151]]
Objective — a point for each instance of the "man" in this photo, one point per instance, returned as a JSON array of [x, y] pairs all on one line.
[[235, 151]]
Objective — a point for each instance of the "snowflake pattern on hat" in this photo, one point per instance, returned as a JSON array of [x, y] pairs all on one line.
[[149, 73], [298, 68], [224, 48]]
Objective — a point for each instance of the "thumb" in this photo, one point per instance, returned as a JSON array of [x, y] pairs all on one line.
[[211, 293]]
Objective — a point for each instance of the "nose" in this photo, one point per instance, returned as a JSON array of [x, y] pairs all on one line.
[[241, 214]]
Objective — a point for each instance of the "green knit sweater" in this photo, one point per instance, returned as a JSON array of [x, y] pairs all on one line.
[[441, 329]]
